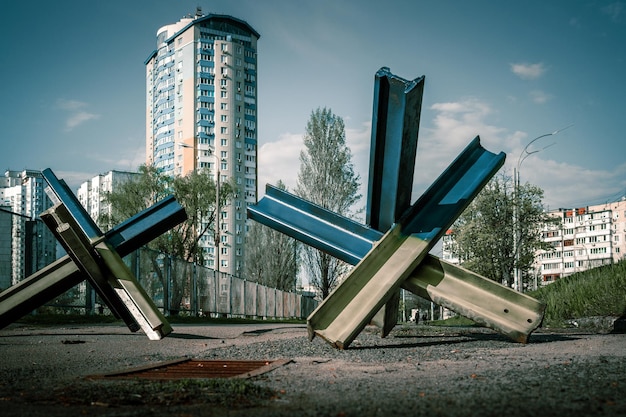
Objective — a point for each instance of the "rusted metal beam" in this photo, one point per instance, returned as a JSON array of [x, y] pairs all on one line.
[[482, 300]]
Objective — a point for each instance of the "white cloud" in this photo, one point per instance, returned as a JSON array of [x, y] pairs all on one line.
[[280, 160], [539, 96], [76, 114], [528, 71], [614, 10], [453, 126]]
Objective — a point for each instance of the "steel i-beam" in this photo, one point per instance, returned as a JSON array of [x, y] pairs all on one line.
[[102, 265], [486, 302], [355, 301], [60, 276], [395, 131], [97, 257]]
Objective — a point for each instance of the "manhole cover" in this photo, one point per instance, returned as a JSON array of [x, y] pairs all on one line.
[[195, 368]]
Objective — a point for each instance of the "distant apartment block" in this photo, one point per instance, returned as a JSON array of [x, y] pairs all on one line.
[[586, 237], [26, 244], [91, 193], [201, 113]]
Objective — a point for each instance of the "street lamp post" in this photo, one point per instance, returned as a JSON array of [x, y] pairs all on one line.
[[218, 216], [517, 232]]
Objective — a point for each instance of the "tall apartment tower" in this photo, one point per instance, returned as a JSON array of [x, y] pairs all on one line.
[[201, 113], [26, 244]]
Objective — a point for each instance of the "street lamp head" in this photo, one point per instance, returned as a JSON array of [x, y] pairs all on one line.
[[526, 153]]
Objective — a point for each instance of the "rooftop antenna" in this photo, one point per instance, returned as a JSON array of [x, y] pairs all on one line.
[[199, 11]]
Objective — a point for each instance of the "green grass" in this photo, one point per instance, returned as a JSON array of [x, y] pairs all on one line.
[[597, 292]]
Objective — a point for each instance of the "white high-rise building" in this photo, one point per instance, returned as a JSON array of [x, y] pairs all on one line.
[[201, 113], [26, 244]]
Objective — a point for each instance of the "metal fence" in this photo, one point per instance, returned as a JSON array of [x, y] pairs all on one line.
[[179, 287]]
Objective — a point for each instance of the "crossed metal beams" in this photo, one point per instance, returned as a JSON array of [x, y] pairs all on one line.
[[95, 256], [384, 262]]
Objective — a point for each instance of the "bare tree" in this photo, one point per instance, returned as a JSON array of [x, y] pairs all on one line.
[[326, 178]]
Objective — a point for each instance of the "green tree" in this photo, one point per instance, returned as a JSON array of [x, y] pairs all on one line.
[[326, 178], [483, 235], [196, 192], [271, 256]]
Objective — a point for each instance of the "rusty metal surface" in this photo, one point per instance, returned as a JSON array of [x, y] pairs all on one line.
[[351, 306], [196, 369]]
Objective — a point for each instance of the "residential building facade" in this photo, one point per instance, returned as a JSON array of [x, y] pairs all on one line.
[[91, 193], [26, 244], [586, 237], [201, 113]]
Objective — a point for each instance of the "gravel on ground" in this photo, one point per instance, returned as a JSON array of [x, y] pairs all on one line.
[[416, 370]]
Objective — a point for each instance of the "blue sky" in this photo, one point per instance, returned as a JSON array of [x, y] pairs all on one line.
[[74, 83]]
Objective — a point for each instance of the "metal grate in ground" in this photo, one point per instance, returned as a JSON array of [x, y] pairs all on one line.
[[196, 368]]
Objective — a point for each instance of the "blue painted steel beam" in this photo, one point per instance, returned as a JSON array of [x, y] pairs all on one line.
[[395, 128], [336, 235], [349, 240], [63, 194]]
